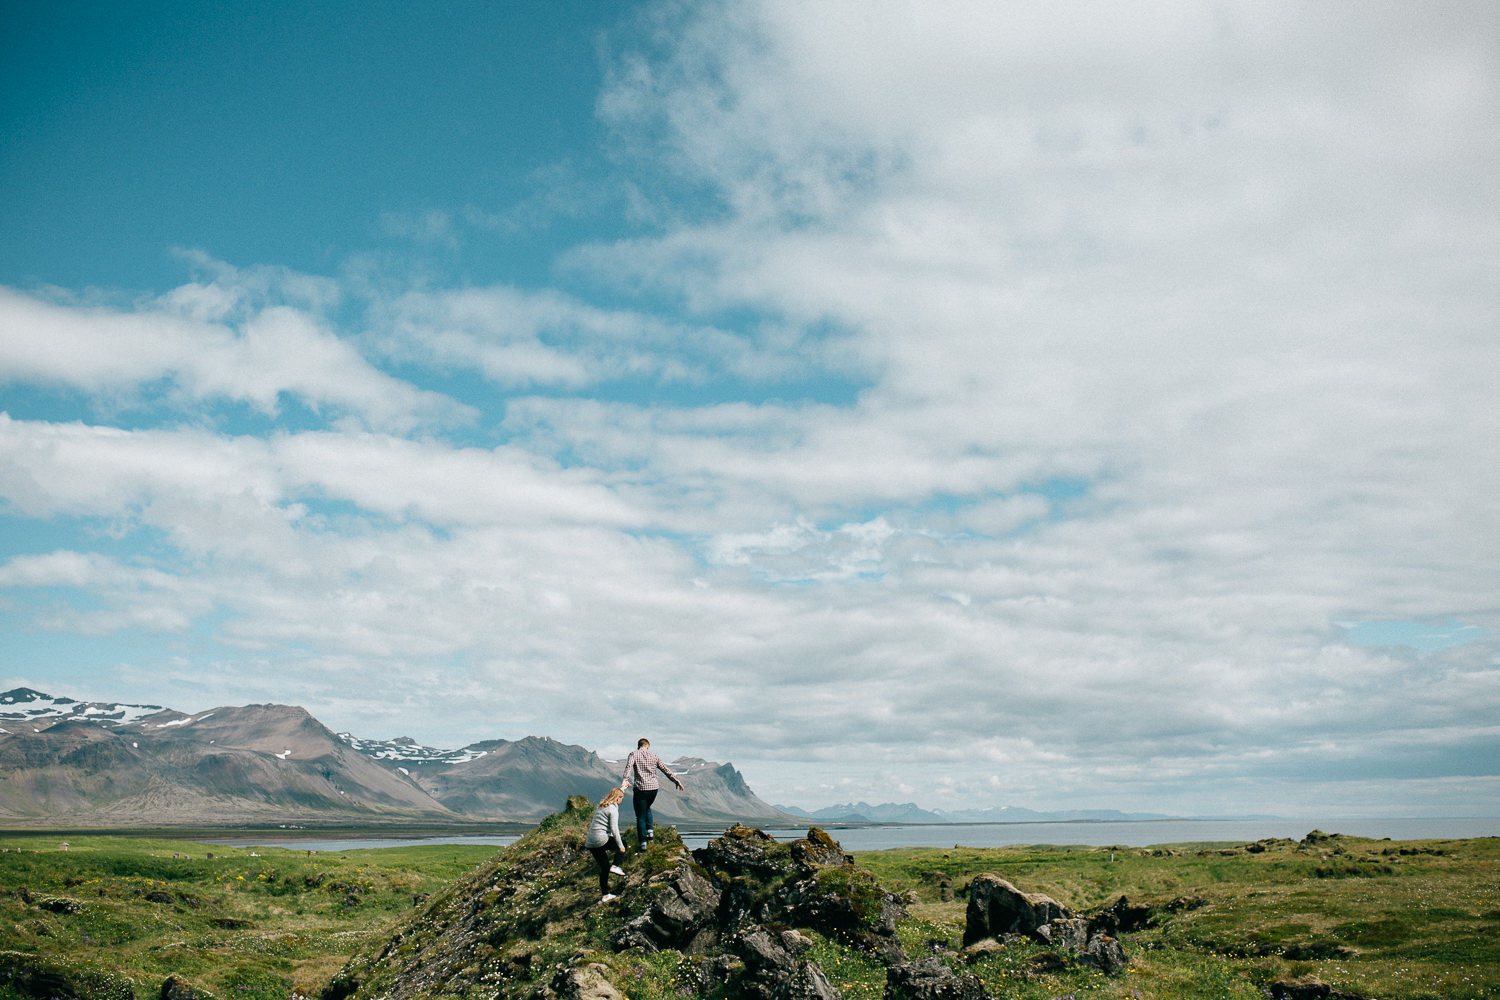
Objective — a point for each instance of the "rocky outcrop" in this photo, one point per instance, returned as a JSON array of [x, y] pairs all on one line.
[[737, 896], [810, 883], [930, 979], [747, 915], [774, 969], [732, 908], [998, 909], [1122, 917], [684, 915]]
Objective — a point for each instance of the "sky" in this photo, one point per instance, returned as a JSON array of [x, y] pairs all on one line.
[[1055, 405]]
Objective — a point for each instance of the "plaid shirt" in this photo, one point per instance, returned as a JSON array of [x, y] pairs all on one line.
[[644, 764]]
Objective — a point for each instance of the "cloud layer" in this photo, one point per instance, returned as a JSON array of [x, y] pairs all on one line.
[[994, 404]]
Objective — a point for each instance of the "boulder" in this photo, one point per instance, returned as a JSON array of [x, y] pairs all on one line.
[[1309, 989], [996, 907], [38, 976], [175, 988], [765, 956], [808, 983], [842, 902], [769, 966], [773, 971], [1104, 953], [708, 973], [682, 916], [795, 941], [1067, 933], [818, 850], [1121, 917], [930, 979], [982, 947], [585, 982]]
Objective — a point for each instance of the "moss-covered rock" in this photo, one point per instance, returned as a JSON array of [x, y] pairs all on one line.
[[529, 925]]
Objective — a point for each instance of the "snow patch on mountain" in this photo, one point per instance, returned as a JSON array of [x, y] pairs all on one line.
[[406, 750], [26, 705]]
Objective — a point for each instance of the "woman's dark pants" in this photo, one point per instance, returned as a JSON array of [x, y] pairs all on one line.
[[602, 855]]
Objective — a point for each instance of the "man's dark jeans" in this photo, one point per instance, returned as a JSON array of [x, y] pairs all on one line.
[[645, 826]]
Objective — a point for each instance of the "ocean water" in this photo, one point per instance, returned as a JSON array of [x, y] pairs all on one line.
[[1140, 833]]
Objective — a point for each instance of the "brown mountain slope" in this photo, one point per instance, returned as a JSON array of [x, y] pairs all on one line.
[[87, 764], [81, 773]]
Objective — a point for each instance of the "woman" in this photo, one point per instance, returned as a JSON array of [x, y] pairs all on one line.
[[604, 826], [640, 770]]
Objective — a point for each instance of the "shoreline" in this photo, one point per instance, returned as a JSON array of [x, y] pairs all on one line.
[[861, 836]]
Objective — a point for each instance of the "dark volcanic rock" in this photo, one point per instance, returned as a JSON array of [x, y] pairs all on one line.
[[1121, 917], [1310, 990], [997, 908], [681, 916], [1104, 953], [175, 988], [588, 981], [743, 851], [931, 980], [709, 973], [808, 983], [812, 882], [768, 964], [843, 902], [818, 850], [774, 972]]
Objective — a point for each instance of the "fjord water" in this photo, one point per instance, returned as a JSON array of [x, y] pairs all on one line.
[[1136, 833], [1143, 833]]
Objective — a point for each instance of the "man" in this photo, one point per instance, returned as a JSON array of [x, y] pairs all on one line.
[[640, 771]]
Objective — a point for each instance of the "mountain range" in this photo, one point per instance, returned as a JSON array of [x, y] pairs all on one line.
[[65, 763], [908, 812]]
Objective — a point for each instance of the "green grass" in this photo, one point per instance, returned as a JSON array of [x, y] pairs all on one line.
[[1403, 921], [251, 923], [1410, 921]]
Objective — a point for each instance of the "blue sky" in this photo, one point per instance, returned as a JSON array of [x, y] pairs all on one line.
[[1049, 405]]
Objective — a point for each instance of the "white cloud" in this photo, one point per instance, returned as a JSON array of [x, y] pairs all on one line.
[[545, 341], [192, 340], [1174, 333]]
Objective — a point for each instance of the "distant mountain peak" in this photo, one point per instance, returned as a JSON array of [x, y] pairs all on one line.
[[405, 750], [25, 695], [30, 705]]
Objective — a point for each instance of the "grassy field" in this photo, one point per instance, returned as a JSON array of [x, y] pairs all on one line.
[[1398, 921], [253, 923]]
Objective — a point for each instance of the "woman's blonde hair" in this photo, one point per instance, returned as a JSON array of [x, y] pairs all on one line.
[[612, 796]]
